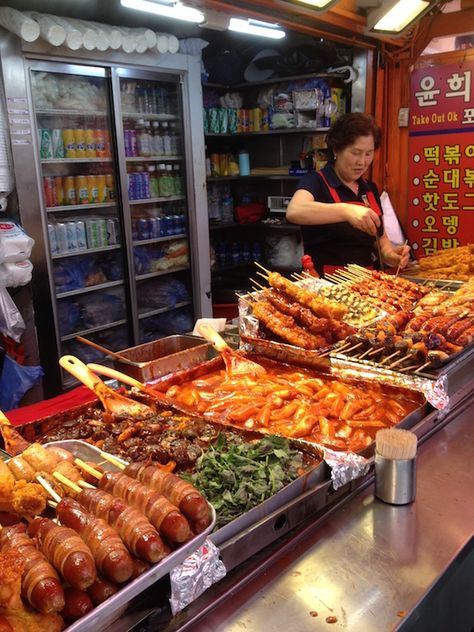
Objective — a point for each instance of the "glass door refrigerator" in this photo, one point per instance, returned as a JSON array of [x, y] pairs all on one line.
[[110, 184]]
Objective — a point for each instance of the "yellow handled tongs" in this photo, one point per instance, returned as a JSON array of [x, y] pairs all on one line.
[[377, 239]]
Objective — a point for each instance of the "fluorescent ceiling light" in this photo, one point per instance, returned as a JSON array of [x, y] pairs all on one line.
[[168, 9], [317, 4], [255, 27], [394, 17]]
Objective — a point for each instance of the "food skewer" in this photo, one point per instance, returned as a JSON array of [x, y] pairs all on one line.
[[113, 402], [399, 264]]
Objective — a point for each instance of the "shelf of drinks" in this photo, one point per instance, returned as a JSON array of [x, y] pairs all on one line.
[[60, 161], [157, 273], [281, 225], [171, 198], [158, 158], [149, 116], [93, 330], [260, 176], [162, 310], [90, 288], [79, 207], [233, 266], [85, 251], [59, 112], [154, 240], [269, 132]]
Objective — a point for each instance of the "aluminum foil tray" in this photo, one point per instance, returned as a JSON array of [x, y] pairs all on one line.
[[165, 355], [109, 611], [286, 353], [450, 285]]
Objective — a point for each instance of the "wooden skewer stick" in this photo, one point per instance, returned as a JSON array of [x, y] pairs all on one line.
[[423, 366], [407, 368], [326, 353], [375, 351], [366, 353], [67, 483], [44, 483], [88, 468], [260, 266], [52, 504], [398, 267], [262, 275], [259, 285], [392, 355], [394, 364], [112, 459], [363, 271], [354, 347]]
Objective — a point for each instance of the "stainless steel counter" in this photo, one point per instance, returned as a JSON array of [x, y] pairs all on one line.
[[372, 566]]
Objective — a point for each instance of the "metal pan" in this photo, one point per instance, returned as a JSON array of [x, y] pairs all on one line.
[[109, 611], [153, 359]]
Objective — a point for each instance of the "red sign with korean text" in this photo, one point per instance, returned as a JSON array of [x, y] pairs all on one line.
[[441, 158]]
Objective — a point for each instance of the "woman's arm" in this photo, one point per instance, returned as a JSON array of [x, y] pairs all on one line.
[[303, 209]]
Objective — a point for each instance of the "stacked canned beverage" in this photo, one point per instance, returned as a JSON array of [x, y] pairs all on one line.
[[79, 189], [236, 121], [236, 252], [160, 226], [73, 143], [70, 236]]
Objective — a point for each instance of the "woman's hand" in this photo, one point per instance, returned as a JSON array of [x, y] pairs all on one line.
[[396, 256], [362, 217]]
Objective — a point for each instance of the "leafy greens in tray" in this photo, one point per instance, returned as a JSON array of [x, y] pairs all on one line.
[[236, 475]]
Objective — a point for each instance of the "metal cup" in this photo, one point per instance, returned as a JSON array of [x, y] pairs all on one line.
[[395, 480]]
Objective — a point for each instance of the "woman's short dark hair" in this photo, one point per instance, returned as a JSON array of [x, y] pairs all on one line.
[[348, 127]]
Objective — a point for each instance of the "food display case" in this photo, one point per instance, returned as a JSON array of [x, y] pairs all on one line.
[[108, 156]]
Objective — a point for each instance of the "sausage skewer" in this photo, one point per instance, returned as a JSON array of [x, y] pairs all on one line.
[[162, 514], [40, 583]]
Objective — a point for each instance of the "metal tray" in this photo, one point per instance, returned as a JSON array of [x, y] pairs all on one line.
[[450, 285], [287, 353], [109, 611], [154, 359]]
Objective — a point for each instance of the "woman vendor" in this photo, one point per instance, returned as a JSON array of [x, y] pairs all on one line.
[[339, 211]]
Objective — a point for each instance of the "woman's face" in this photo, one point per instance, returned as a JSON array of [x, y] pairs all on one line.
[[354, 160]]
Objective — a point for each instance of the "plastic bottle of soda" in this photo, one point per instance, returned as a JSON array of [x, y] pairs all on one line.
[[166, 138], [158, 147]]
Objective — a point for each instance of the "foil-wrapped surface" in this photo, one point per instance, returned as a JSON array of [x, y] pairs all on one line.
[[197, 573], [345, 466], [435, 391]]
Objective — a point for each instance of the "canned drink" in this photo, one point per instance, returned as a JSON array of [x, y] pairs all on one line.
[[58, 186], [213, 122], [100, 147], [49, 191], [92, 233], [223, 120], [112, 236], [71, 236], [92, 189], [53, 239], [155, 227], [101, 188], [69, 188], [45, 143], [251, 120], [143, 228], [205, 120], [107, 143], [135, 229], [58, 143], [61, 235], [81, 235], [257, 119], [102, 231], [131, 186], [232, 120], [90, 143], [82, 190], [215, 165], [164, 223], [69, 143], [265, 120], [80, 140], [240, 128], [245, 122], [109, 183]]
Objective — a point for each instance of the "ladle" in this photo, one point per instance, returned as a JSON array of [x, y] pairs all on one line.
[[236, 364], [113, 402]]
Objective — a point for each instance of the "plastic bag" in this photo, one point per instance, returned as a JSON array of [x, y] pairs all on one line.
[[15, 245], [11, 321], [15, 274], [15, 381]]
